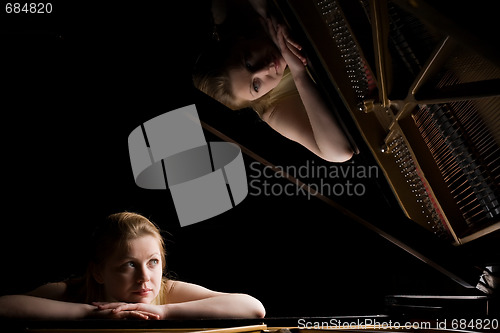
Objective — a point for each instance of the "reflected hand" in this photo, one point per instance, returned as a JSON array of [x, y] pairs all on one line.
[[289, 48]]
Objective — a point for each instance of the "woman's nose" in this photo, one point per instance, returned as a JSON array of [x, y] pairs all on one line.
[[142, 275], [265, 70]]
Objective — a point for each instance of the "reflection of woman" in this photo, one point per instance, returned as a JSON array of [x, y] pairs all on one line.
[[257, 64], [125, 280]]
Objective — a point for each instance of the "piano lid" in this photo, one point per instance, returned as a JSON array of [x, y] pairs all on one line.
[[419, 100]]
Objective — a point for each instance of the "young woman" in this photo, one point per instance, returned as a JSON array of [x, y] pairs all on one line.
[[255, 63], [125, 280]]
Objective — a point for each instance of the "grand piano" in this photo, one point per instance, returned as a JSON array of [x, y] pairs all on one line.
[[420, 86], [423, 91], [416, 86]]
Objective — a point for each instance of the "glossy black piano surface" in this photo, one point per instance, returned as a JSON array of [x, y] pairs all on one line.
[[373, 323]]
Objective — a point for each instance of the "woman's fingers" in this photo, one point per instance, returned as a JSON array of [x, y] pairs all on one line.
[[282, 38], [132, 315], [297, 53], [143, 315], [293, 46], [136, 314], [286, 46], [288, 38], [106, 305], [125, 306], [281, 42], [125, 310]]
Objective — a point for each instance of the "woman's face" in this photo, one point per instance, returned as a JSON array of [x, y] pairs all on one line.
[[259, 68], [133, 274]]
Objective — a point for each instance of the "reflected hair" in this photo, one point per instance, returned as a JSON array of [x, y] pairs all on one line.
[[211, 76]]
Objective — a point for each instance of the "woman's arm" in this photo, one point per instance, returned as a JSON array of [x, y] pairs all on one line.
[[311, 125], [30, 307], [46, 302], [186, 300], [43, 303], [191, 300], [221, 306], [316, 129]]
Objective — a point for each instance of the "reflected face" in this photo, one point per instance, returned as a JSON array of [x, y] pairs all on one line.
[[258, 68], [133, 274]]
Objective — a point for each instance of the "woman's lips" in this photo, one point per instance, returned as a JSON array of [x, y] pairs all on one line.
[[142, 292]]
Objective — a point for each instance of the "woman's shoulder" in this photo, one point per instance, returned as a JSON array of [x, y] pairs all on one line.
[[285, 88], [286, 106], [179, 291], [54, 290]]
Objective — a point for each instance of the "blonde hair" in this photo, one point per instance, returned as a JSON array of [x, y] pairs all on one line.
[[211, 76], [117, 230]]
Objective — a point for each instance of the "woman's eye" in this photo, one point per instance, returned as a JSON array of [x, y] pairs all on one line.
[[155, 261], [130, 264], [256, 86]]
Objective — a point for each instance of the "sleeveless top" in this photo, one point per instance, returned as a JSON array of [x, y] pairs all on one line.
[[285, 89]]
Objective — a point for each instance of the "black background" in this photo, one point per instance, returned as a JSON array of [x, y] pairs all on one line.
[[77, 81]]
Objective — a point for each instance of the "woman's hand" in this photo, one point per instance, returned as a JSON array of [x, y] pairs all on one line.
[[289, 48], [119, 310]]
